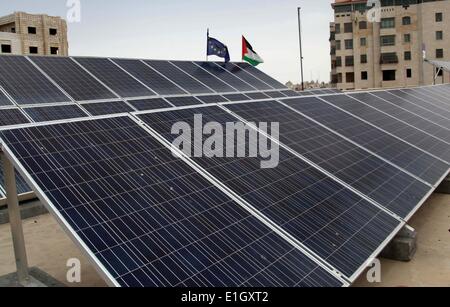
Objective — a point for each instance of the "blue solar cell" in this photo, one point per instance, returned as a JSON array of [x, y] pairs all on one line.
[[430, 99], [44, 114], [105, 108], [257, 96], [183, 101], [22, 186], [389, 186], [149, 104], [10, 117], [179, 77], [260, 75], [114, 77], [150, 77], [236, 97], [211, 98], [241, 74], [149, 218], [25, 84], [275, 94], [400, 153], [4, 101], [294, 196], [226, 76], [73, 79]]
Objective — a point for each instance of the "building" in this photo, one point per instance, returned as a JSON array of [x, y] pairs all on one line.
[[22, 33], [388, 52]]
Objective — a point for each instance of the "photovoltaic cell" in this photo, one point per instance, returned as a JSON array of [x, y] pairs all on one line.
[[296, 197], [204, 77], [408, 133], [149, 77], [183, 101], [212, 98], [290, 93], [149, 104], [398, 98], [256, 96], [225, 76], [438, 92], [114, 77], [387, 185], [236, 97], [238, 72], [400, 153], [10, 117], [21, 185], [431, 99], [25, 84], [73, 79], [4, 101], [106, 108], [260, 75], [275, 94], [182, 79], [149, 218], [44, 114]]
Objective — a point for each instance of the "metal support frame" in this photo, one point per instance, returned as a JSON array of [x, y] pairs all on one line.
[[15, 222]]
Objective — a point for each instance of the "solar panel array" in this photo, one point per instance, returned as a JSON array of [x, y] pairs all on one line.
[[353, 169]]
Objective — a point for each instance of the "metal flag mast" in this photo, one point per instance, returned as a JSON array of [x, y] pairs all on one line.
[[301, 50], [207, 45]]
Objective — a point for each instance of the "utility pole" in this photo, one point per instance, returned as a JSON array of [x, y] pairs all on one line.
[[301, 50]]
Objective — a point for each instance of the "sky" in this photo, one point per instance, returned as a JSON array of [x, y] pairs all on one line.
[[176, 30]]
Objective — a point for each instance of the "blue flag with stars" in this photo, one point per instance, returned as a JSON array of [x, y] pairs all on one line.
[[217, 48]]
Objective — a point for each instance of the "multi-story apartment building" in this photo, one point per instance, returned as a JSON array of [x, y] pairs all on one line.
[[22, 33], [386, 50]]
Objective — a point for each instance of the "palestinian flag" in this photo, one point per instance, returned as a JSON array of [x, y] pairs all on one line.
[[249, 55]]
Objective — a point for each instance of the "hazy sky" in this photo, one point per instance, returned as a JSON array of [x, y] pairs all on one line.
[[176, 29]]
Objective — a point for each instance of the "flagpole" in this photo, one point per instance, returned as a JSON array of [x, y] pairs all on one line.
[[207, 44], [301, 50]]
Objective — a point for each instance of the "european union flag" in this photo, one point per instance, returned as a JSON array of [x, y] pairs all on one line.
[[217, 48]]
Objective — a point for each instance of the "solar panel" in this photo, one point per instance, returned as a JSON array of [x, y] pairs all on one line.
[[437, 91], [10, 117], [296, 197], [149, 104], [431, 99], [225, 76], [387, 185], [25, 84], [4, 101], [241, 74], [204, 77], [182, 79], [183, 101], [260, 75], [44, 114], [114, 77], [72, 78], [398, 98], [21, 185], [211, 99], [147, 217], [290, 93], [275, 94], [106, 108], [408, 117], [257, 96], [236, 97], [400, 153], [150, 77], [408, 133]]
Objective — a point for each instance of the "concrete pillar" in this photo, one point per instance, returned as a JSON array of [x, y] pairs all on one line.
[[403, 247]]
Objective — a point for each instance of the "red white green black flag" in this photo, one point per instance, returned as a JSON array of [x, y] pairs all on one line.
[[249, 55]]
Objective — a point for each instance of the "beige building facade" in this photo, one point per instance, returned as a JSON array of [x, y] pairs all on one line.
[[22, 33], [387, 50]]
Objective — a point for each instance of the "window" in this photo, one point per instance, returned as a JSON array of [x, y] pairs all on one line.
[[389, 58], [54, 50], [349, 61], [348, 44], [338, 61], [337, 28], [363, 25], [13, 30], [34, 50], [406, 21], [387, 23], [338, 45], [387, 40], [363, 41], [364, 75], [439, 35], [407, 55], [438, 72], [388, 75], [31, 30], [439, 17], [439, 53], [339, 78], [6, 48], [363, 58], [348, 27], [407, 38], [350, 77], [409, 73], [53, 31]]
